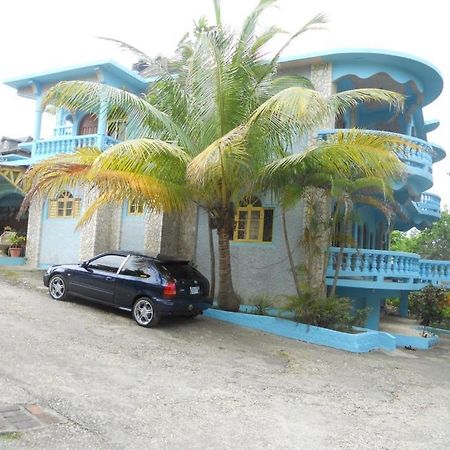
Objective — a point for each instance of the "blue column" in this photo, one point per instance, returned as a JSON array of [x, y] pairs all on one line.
[[373, 319], [102, 123], [38, 117], [403, 308]]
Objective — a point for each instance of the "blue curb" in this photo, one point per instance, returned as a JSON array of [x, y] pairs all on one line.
[[363, 342]]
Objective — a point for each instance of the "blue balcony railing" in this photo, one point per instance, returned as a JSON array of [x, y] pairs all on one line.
[[416, 153], [46, 148], [381, 269], [429, 205]]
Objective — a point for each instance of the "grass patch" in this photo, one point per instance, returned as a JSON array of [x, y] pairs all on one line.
[[10, 436], [11, 274]]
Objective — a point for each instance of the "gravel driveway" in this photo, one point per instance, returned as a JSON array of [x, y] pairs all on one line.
[[204, 384]]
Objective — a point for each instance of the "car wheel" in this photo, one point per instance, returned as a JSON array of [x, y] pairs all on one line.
[[144, 312], [57, 287]]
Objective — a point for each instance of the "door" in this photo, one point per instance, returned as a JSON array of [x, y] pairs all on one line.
[[97, 280], [88, 125]]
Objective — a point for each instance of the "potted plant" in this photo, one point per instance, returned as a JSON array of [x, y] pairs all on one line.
[[16, 242]]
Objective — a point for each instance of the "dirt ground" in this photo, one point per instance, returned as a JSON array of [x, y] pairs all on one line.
[[205, 384]]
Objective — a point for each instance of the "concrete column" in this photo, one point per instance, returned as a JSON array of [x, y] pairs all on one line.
[[102, 123], [373, 319], [35, 217], [38, 117], [403, 308]]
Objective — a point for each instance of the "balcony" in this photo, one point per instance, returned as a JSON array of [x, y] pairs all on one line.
[[415, 153], [387, 270], [429, 206], [46, 148]]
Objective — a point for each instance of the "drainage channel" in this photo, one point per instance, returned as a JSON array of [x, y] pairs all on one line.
[[25, 417]]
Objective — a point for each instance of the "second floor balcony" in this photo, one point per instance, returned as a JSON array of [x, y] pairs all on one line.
[[45, 148], [429, 205], [415, 153]]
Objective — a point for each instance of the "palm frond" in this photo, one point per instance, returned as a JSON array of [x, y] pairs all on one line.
[[89, 97]]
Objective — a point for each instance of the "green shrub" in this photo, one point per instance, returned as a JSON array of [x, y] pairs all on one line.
[[261, 304], [430, 305], [329, 312], [392, 304]]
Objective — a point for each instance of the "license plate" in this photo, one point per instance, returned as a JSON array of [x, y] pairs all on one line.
[[194, 290]]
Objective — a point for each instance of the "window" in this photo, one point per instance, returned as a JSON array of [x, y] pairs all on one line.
[[107, 263], [65, 206], [135, 208], [137, 266], [253, 223]]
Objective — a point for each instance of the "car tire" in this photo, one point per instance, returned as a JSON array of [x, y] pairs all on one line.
[[145, 313], [57, 288]]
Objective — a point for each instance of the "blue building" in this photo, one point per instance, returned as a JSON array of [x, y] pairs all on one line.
[[370, 272]]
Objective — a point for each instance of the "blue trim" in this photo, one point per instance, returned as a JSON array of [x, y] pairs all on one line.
[[362, 342], [398, 63], [415, 342], [131, 78], [10, 261]]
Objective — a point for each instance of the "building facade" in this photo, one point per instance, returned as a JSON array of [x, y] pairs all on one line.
[[370, 271]]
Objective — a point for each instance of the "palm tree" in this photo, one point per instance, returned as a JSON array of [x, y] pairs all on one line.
[[347, 193], [319, 172], [204, 132]]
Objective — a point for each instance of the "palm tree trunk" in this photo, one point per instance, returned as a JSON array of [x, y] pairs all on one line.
[[289, 253], [227, 298], [212, 289], [337, 270]]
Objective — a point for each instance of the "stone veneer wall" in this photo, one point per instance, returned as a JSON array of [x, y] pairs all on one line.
[[34, 231], [153, 230], [322, 78]]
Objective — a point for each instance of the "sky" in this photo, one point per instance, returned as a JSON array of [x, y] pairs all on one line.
[[36, 36]]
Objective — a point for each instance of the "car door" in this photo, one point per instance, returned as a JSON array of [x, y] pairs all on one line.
[[137, 276], [96, 280]]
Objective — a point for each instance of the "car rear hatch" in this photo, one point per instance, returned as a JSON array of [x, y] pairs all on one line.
[[189, 281]]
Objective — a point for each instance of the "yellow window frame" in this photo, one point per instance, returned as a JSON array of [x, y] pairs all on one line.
[[248, 222], [64, 207], [135, 208]]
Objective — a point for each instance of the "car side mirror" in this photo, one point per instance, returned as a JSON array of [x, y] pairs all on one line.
[[84, 264]]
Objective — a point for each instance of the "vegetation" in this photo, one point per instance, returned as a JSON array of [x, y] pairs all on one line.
[[431, 306], [216, 126], [16, 240], [261, 303], [328, 312], [346, 193], [431, 243]]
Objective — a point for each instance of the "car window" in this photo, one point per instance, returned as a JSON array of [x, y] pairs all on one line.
[[107, 263], [178, 269], [138, 266]]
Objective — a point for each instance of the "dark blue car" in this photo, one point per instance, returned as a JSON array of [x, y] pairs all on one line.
[[148, 287]]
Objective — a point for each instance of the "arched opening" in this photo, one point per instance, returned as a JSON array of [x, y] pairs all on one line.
[[88, 125]]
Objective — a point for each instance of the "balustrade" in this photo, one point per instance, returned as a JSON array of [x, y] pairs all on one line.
[[67, 144], [385, 269], [414, 152]]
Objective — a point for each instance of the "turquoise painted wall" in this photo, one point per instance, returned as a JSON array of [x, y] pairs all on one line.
[[132, 231], [60, 242]]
